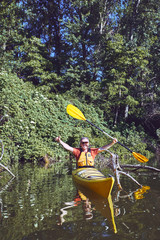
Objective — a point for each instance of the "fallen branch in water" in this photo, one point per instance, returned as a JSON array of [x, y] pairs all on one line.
[[114, 165], [137, 167], [1, 159], [7, 169]]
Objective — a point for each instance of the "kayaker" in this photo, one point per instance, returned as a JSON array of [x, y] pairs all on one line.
[[84, 154]]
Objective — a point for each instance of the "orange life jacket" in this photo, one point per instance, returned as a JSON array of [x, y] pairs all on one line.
[[85, 159]]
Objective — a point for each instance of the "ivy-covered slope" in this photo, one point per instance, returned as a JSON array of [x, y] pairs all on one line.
[[31, 119]]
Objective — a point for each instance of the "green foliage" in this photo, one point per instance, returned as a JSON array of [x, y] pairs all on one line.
[[126, 73], [29, 120], [34, 65], [11, 33], [101, 56]]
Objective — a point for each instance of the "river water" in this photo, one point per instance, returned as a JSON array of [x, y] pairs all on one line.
[[42, 204]]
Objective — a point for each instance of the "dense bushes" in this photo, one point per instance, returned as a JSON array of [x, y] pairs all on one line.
[[30, 121]]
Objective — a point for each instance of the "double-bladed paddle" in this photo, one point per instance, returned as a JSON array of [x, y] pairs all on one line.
[[76, 113]]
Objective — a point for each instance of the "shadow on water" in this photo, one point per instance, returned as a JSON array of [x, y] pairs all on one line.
[[42, 205]]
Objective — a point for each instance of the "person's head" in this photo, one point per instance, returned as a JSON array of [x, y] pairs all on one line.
[[84, 143]]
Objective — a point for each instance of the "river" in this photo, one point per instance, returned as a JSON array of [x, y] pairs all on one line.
[[42, 204]]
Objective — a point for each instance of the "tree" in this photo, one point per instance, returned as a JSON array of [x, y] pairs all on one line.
[[35, 67], [139, 25], [124, 72], [11, 33], [45, 21]]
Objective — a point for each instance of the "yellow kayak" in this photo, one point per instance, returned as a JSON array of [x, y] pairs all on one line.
[[94, 180]]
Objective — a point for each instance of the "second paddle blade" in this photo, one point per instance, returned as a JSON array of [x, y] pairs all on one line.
[[140, 157]]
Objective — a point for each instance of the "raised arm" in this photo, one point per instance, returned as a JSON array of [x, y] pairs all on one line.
[[108, 145], [65, 145]]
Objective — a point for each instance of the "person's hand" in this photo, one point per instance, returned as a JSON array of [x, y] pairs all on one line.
[[115, 140], [57, 139]]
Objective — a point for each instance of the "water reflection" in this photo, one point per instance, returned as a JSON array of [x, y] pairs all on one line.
[[139, 193], [2, 189], [40, 204], [132, 195], [91, 202]]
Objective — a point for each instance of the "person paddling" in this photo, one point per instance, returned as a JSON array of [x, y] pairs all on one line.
[[84, 154]]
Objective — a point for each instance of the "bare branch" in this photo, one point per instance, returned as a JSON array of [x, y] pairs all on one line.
[[1, 159], [137, 167]]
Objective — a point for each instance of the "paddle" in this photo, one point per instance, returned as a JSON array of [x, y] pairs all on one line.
[[76, 113]]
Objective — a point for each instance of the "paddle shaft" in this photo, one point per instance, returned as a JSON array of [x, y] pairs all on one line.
[[76, 113], [108, 135]]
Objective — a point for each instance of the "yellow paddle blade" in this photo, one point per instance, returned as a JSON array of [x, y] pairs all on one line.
[[140, 157], [75, 112]]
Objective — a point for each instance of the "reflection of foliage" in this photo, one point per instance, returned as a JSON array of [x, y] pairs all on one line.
[[32, 203], [34, 200]]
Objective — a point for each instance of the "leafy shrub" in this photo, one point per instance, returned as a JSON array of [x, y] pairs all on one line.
[[31, 120]]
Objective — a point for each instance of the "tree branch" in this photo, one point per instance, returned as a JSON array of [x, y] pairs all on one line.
[[1, 159], [137, 167], [113, 164]]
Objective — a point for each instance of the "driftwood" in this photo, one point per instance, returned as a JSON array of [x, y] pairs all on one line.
[[114, 165], [1, 159], [137, 167]]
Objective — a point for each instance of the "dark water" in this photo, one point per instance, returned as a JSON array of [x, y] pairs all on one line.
[[41, 205]]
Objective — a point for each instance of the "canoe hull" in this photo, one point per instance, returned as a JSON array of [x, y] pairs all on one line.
[[94, 180]]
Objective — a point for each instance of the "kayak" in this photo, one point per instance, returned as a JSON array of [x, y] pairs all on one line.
[[94, 180]]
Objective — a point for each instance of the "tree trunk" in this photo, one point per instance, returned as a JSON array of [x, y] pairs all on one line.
[[126, 111]]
